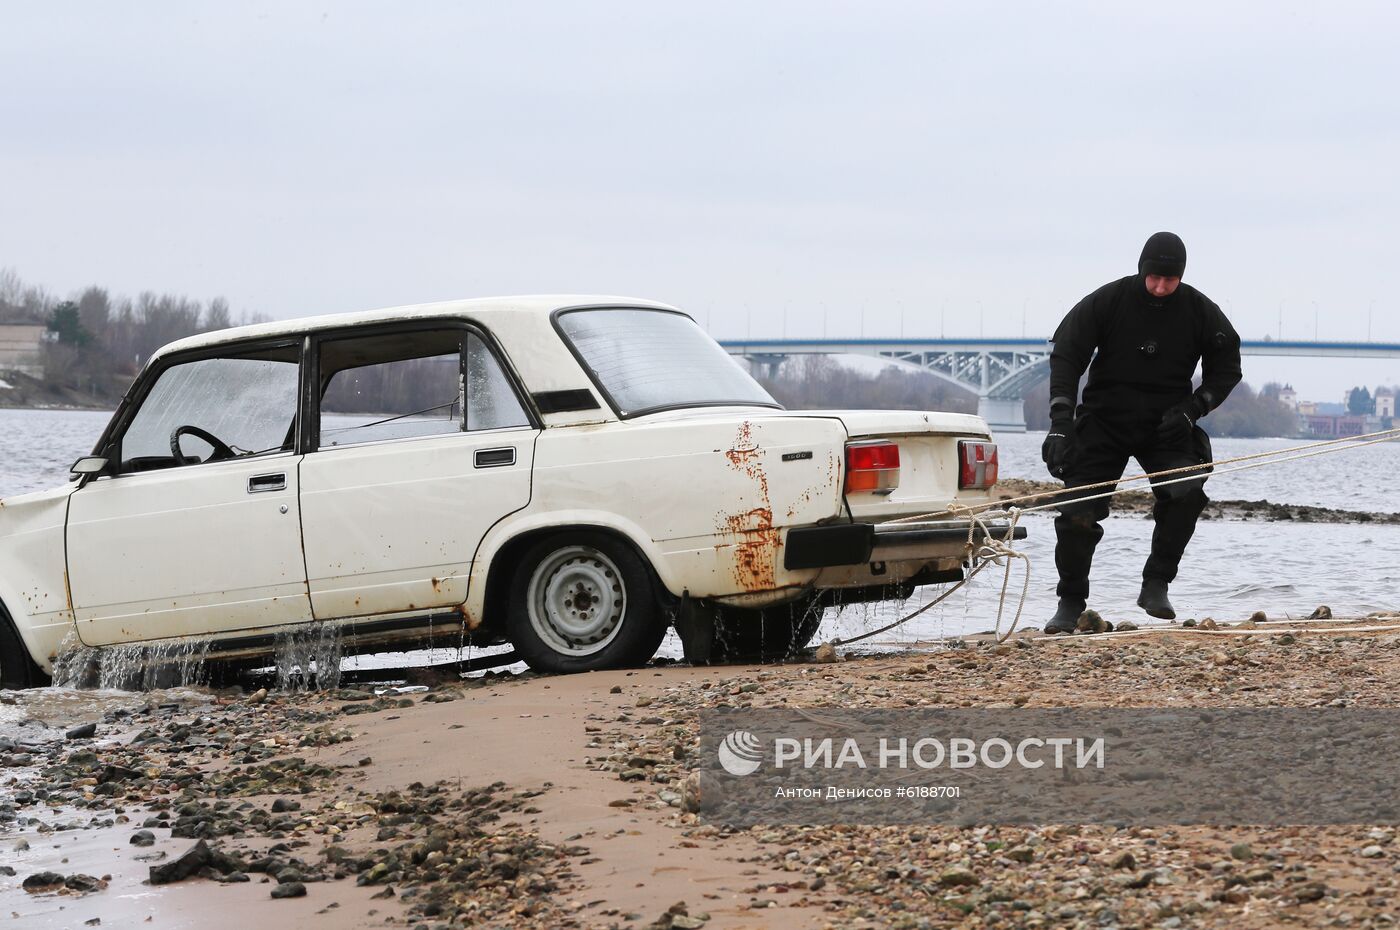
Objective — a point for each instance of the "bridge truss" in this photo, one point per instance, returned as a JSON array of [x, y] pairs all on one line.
[[1001, 372]]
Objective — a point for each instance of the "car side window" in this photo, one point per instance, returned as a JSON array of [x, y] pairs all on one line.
[[491, 401], [215, 408], [390, 386]]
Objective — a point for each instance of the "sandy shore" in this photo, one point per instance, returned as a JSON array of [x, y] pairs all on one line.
[[528, 801]]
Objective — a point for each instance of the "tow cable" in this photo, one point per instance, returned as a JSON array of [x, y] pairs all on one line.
[[991, 550]]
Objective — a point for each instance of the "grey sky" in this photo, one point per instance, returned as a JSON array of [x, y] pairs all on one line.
[[747, 161]]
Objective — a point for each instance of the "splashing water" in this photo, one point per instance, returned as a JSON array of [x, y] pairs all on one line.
[[135, 667], [308, 657]]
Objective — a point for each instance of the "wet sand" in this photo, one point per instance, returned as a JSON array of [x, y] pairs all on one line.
[[586, 823]]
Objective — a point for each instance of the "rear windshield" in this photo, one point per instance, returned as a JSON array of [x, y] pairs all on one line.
[[653, 359]]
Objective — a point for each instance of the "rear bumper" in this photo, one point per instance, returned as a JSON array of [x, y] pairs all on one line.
[[859, 543]]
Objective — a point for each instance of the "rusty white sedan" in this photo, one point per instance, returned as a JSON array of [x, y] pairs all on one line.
[[571, 475]]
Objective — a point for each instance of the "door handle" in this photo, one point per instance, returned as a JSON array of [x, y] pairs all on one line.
[[259, 483], [495, 458]]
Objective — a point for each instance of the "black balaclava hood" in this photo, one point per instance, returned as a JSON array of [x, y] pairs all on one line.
[[1164, 254]]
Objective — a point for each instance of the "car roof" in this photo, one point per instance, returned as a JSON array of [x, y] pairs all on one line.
[[485, 309]]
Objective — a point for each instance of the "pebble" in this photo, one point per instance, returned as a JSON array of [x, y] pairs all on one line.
[[289, 890], [957, 878], [1372, 852], [143, 838], [1310, 891], [1091, 622], [42, 881], [1241, 851], [86, 731]]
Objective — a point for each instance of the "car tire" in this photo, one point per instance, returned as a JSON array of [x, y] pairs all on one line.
[[582, 601], [17, 669], [765, 635]]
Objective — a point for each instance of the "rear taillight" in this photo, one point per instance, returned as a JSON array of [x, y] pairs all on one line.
[[977, 468], [872, 466]]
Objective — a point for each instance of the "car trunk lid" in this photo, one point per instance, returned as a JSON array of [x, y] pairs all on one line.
[[928, 460]]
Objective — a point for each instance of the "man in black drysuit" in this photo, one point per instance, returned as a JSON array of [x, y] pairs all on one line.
[[1150, 330]]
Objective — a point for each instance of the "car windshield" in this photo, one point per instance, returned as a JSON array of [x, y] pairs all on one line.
[[654, 359]]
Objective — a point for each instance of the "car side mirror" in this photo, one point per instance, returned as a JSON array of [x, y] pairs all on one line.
[[89, 467]]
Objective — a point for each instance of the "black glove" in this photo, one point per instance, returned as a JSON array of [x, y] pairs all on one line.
[[1178, 422], [1055, 450]]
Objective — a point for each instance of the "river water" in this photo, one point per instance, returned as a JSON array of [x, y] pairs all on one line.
[[1231, 568]]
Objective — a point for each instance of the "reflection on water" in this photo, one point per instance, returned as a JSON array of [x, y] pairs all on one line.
[[43, 714]]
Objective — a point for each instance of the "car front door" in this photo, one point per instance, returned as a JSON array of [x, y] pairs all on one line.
[[197, 529], [422, 445]]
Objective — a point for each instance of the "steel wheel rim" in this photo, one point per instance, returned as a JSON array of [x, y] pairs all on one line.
[[576, 600]]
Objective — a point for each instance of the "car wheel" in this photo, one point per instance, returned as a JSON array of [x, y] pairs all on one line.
[[764, 635], [582, 601], [17, 670]]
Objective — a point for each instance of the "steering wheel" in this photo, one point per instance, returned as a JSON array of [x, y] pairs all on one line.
[[221, 449]]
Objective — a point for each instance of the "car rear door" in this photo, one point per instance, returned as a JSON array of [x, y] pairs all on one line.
[[207, 541], [423, 444]]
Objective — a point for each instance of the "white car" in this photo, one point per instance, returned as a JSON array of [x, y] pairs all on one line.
[[571, 475]]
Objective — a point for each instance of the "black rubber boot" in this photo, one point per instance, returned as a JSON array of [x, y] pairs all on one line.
[[1153, 599], [1067, 617]]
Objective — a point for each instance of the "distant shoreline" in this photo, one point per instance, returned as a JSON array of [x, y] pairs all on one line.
[[63, 407]]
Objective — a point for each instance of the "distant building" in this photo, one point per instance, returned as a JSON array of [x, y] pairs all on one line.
[[1385, 403], [1330, 425], [1336, 420], [1288, 397], [21, 348]]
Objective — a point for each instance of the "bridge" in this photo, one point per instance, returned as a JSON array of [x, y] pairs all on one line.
[[1001, 371]]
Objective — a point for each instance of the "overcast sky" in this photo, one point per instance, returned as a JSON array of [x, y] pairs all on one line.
[[771, 167]]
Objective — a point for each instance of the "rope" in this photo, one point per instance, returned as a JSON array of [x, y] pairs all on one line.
[[1260, 458], [1335, 631], [1258, 631], [993, 551]]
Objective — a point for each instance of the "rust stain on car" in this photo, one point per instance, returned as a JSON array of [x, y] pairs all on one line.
[[755, 548], [744, 452], [468, 622], [756, 539]]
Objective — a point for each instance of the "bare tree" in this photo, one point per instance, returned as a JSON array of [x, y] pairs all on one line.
[[218, 316]]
